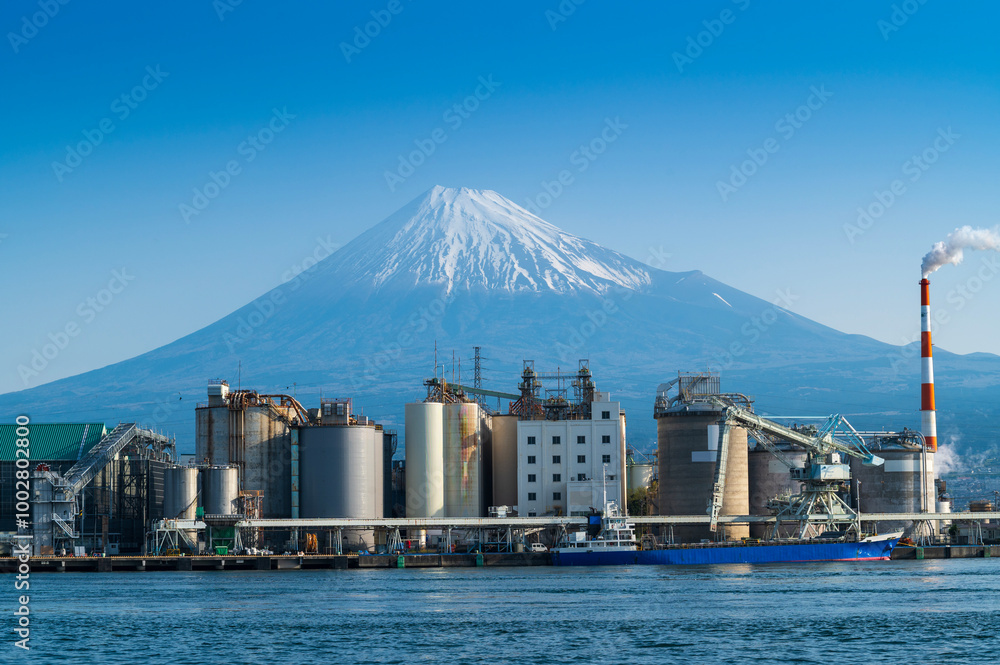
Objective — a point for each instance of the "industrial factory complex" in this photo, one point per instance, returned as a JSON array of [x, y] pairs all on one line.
[[271, 475]]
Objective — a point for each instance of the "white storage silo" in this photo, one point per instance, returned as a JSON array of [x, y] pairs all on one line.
[[424, 459], [462, 450], [639, 475]]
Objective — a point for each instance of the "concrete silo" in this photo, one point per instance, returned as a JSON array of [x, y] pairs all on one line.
[[898, 486], [687, 444], [504, 460], [253, 433], [769, 477]]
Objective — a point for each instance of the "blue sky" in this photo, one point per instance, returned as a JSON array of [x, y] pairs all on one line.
[[200, 78]]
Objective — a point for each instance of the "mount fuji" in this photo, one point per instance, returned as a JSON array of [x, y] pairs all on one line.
[[458, 268]]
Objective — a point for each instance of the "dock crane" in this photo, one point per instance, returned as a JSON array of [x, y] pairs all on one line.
[[818, 507]]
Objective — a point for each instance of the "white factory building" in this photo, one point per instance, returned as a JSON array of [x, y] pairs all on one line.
[[563, 465]]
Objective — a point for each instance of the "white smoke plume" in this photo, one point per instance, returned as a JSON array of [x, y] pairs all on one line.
[[952, 249], [947, 459]]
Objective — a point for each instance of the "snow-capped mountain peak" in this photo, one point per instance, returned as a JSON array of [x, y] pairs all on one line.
[[466, 239]]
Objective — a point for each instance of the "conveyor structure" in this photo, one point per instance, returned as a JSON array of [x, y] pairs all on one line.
[[822, 477], [54, 497]]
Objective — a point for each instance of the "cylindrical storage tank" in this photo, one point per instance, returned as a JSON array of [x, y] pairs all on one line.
[[212, 434], [893, 487], [504, 461], [944, 506], [267, 458], [687, 444], [220, 490], [424, 459], [768, 478], [462, 461], [255, 440], [341, 475], [639, 476], [180, 496], [378, 468], [185, 504]]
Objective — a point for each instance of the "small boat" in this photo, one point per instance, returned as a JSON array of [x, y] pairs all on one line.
[[614, 544]]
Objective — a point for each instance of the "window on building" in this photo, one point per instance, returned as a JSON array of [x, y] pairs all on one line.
[[557, 477], [557, 496], [611, 477], [581, 476], [606, 459], [556, 459], [605, 438], [581, 439], [605, 415], [531, 514], [531, 440], [582, 459], [531, 459], [531, 496], [531, 477], [556, 440]]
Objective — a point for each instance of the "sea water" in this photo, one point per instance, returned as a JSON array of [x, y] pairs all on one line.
[[873, 612]]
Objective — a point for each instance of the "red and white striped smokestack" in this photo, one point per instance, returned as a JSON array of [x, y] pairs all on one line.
[[928, 417]]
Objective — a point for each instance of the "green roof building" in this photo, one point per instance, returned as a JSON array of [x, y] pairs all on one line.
[[60, 442], [116, 507]]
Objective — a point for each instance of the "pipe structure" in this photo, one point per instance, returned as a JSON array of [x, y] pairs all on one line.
[[928, 417]]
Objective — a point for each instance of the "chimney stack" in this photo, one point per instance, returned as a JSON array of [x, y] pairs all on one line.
[[928, 417]]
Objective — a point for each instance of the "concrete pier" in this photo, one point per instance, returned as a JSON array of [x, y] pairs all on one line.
[[122, 564], [272, 562]]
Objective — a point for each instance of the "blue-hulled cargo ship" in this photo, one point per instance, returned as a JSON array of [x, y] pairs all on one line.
[[615, 544]]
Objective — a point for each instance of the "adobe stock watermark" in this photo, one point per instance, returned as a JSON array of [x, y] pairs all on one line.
[[658, 257], [223, 7], [86, 312], [580, 159], [562, 12], [364, 34], [714, 27], [595, 319], [32, 23], [901, 13], [957, 299], [121, 107], [262, 309], [913, 168], [22, 541], [248, 150], [417, 323], [752, 331], [786, 127], [454, 117]]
